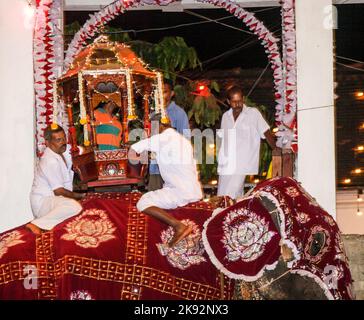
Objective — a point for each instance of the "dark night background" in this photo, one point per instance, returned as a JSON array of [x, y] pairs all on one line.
[[238, 49]]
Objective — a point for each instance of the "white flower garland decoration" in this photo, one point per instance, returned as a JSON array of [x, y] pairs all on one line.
[[129, 85], [48, 55], [160, 106], [90, 29], [268, 40], [289, 120], [44, 46], [83, 116], [55, 105]]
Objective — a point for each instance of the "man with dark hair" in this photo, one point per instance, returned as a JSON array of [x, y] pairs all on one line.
[[179, 121], [242, 128], [52, 198], [174, 155]]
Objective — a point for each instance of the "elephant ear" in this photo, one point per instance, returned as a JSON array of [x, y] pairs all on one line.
[[242, 241]]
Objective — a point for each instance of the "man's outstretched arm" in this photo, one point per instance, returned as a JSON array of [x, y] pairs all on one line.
[[68, 194]]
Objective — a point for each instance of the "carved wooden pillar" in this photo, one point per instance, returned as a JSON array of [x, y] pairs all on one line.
[[91, 119], [71, 129], [283, 164]]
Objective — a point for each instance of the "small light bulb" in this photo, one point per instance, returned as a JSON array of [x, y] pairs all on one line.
[[360, 148], [357, 170], [347, 181], [359, 213], [359, 94], [213, 182], [211, 146], [275, 130], [256, 180]]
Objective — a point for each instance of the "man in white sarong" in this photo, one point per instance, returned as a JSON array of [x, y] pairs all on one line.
[[52, 197], [177, 166], [242, 129]]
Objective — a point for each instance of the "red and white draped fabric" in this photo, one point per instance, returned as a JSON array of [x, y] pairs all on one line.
[[288, 122], [48, 60], [111, 251], [303, 220], [243, 241]]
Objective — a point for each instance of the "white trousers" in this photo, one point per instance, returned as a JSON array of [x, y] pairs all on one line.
[[165, 198], [231, 185], [53, 210]]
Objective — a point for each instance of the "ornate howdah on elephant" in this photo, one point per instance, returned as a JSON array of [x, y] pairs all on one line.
[[276, 243]]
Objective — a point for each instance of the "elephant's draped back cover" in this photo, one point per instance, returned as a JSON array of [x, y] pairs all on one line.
[[111, 251]]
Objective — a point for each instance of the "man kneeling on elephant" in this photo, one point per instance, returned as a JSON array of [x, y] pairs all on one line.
[[174, 155]]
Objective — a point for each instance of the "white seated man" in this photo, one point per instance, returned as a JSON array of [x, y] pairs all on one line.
[[51, 197], [177, 166]]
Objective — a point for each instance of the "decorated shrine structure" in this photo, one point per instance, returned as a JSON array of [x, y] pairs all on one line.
[[107, 72]]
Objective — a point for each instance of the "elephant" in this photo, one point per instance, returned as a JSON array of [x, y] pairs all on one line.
[[274, 243]]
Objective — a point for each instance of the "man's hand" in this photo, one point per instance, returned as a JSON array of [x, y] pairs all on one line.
[[133, 156]]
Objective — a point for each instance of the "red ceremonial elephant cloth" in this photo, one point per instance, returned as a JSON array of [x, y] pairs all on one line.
[[243, 241], [111, 251]]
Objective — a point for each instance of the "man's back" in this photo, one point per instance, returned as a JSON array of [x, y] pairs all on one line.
[[174, 155]]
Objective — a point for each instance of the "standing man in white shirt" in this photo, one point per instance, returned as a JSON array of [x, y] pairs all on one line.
[[177, 166], [52, 197], [242, 128]]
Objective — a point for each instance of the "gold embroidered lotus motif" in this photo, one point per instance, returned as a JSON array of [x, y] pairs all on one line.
[[245, 235], [186, 252], [8, 240], [80, 295], [90, 229]]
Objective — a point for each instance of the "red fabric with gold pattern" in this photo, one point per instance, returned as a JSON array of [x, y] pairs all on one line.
[[312, 234], [242, 240], [17, 260], [112, 251]]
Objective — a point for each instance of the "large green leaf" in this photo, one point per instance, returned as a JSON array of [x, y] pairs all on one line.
[[215, 86]]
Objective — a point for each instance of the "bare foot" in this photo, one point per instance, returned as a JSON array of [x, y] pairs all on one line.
[[33, 228], [180, 233]]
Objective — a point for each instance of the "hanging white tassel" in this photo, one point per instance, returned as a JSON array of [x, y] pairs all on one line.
[[83, 116]]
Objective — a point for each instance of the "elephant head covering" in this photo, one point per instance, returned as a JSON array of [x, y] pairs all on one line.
[[245, 239]]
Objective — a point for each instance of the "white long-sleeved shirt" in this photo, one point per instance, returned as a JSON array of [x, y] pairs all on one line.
[[240, 146], [51, 173], [174, 155]]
